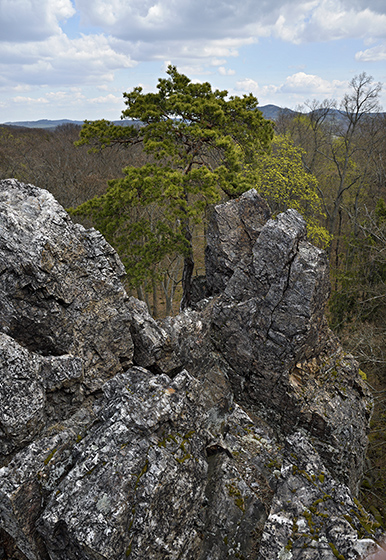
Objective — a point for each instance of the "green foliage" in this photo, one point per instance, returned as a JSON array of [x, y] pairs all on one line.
[[199, 144], [142, 214], [380, 212], [361, 294], [283, 181]]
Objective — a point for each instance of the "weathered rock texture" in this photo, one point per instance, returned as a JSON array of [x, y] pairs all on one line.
[[56, 278], [234, 430]]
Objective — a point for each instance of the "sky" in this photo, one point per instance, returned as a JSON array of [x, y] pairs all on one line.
[[73, 59]]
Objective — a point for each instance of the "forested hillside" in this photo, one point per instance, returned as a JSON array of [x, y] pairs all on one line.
[[197, 147]]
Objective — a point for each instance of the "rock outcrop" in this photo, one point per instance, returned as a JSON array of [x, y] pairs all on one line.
[[234, 430]]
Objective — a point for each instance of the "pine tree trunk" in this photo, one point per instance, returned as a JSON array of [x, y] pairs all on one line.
[[187, 272]]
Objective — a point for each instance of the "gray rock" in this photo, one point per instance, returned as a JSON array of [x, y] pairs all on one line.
[[34, 391], [234, 430], [312, 516], [172, 481], [22, 395], [55, 278], [272, 308], [31, 476], [235, 226], [285, 364]]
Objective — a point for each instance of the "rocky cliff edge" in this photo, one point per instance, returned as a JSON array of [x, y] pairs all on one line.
[[234, 430]]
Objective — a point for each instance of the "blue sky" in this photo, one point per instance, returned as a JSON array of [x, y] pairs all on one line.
[[74, 58]]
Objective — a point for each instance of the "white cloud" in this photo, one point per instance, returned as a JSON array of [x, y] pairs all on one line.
[[332, 20], [302, 85], [299, 85], [29, 100], [110, 98], [166, 21], [248, 85], [74, 94], [195, 34], [375, 54], [59, 60], [200, 36], [226, 72], [218, 61], [32, 20], [305, 83]]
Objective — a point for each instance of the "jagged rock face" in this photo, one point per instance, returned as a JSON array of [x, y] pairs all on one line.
[[240, 432], [271, 312], [269, 326], [34, 389], [56, 278], [235, 226]]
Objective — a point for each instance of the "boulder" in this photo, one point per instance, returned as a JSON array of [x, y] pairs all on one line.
[[236, 429]]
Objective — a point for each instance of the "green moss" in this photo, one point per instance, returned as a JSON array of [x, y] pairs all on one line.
[[240, 503], [49, 457], [302, 472], [184, 458], [143, 471], [188, 435], [274, 464], [317, 502], [367, 523], [169, 439], [235, 493], [308, 516], [363, 375], [335, 552], [248, 430]]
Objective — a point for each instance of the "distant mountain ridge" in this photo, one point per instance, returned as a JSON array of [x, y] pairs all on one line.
[[42, 123], [48, 124], [271, 112]]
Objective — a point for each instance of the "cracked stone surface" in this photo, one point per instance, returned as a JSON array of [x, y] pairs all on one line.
[[55, 278], [234, 430]]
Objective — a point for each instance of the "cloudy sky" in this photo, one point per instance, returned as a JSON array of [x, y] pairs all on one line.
[[74, 58]]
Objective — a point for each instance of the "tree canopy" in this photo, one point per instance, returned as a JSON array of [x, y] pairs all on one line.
[[282, 180], [199, 142]]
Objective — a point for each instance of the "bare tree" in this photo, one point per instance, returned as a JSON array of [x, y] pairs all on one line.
[[356, 106]]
